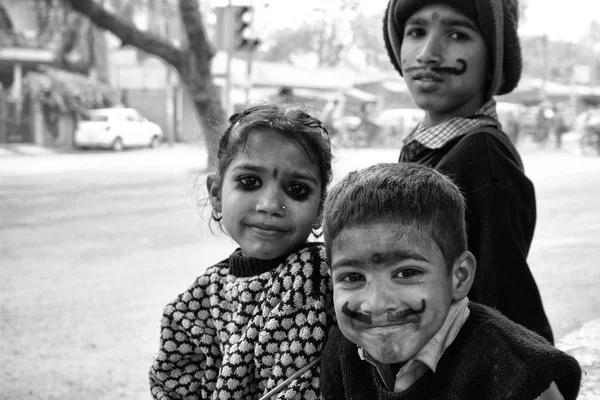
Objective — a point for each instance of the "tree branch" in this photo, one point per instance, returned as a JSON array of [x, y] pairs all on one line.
[[128, 32], [194, 27]]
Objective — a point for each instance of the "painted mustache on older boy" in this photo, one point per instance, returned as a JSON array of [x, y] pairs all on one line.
[[399, 316], [461, 69]]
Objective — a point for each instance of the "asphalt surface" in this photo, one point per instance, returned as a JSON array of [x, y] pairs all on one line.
[[94, 244]]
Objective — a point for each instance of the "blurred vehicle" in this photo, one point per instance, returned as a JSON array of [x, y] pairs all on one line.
[[587, 119], [537, 122], [116, 129], [588, 123], [395, 124]]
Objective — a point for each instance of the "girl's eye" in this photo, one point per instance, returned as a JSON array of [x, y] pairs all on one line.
[[249, 182], [352, 277], [298, 191], [408, 273]]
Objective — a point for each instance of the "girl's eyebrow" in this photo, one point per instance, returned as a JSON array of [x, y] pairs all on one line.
[[249, 167]]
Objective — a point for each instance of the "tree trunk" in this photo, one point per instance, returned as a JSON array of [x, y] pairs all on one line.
[[192, 63]]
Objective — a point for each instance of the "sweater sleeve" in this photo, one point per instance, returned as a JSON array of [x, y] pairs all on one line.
[[179, 369], [501, 214]]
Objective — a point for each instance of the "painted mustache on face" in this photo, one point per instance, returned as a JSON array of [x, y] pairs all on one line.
[[461, 69], [391, 316]]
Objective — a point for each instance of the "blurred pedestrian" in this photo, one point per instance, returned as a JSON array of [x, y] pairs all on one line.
[[559, 126], [330, 117], [455, 56], [255, 323]]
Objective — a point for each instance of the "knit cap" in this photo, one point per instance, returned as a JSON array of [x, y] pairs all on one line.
[[497, 21]]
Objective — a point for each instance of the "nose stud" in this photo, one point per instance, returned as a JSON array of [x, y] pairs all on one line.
[[283, 208]]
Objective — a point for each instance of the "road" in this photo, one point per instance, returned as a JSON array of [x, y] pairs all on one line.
[[93, 245]]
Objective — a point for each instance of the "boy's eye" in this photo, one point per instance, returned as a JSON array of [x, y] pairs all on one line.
[[249, 182], [459, 36], [298, 191], [408, 273], [414, 32]]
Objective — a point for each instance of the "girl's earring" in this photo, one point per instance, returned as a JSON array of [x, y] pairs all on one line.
[[215, 215], [317, 231]]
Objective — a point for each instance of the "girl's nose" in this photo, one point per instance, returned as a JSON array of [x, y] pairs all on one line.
[[431, 51], [270, 202]]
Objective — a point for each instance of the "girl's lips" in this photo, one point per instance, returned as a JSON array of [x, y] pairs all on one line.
[[267, 232], [267, 227]]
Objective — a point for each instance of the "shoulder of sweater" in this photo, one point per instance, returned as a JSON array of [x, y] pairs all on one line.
[[480, 160], [488, 322], [212, 274], [483, 147], [310, 259], [528, 360]]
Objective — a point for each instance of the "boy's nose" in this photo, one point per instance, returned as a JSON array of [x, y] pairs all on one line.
[[431, 52], [377, 300]]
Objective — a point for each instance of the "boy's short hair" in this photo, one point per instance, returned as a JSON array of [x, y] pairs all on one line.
[[406, 193], [497, 21]]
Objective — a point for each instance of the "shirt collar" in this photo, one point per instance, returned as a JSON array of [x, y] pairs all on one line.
[[435, 137], [430, 354]]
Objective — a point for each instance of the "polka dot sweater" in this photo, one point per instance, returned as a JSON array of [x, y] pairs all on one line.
[[244, 327]]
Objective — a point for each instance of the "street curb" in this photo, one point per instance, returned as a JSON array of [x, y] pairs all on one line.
[[584, 345]]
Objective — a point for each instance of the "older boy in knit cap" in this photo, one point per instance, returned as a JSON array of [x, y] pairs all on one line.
[[396, 242], [455, 55]]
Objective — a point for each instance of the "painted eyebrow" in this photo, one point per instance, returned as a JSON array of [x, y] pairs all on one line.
[[399, 255], [449, 21], [294, 175]]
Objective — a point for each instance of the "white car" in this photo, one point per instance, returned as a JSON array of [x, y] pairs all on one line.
[[117, 129]]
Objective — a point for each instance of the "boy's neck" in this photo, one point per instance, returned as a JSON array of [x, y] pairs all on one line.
[[466, 110]]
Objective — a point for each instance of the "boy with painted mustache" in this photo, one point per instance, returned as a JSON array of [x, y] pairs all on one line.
[[395, 238], [455, 55]]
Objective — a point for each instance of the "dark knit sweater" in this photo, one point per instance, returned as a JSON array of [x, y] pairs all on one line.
[[501, 216], [245, 326], [492, 358]]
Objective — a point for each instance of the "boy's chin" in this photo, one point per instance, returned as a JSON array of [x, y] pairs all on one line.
[[388, 357]]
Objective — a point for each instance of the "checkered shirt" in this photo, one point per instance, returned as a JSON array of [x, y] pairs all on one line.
[[435, 137]]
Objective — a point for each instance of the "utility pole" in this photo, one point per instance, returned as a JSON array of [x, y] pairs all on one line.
[[546, 67], [229, 21]]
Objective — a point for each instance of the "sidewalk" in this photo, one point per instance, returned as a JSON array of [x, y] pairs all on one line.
[[24, 149], [584, 345]]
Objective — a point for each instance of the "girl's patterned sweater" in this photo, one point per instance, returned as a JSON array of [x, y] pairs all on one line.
[[244, 327]]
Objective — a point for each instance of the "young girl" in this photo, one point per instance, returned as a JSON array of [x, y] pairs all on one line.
[[253, 325]]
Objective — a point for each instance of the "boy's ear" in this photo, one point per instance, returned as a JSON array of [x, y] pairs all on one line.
[[213, 185], [463, 274]]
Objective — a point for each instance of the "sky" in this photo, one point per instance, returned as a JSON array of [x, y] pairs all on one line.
[[560, 20]]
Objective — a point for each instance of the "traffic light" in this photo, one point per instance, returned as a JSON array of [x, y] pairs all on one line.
[[242, 21], [234, 29]]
